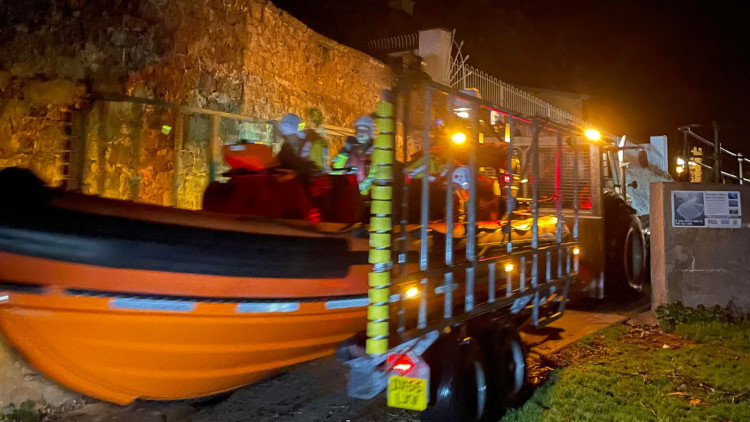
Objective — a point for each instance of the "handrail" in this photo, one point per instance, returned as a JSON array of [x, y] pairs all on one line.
[[718, 151], [508, 96], [327, 129]]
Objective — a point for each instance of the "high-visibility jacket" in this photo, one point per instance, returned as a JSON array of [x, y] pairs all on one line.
[[315, 148], [355, 155]]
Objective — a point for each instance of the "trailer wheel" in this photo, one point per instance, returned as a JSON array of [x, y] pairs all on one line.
[[509, 366], [462, 392], [625, 270]]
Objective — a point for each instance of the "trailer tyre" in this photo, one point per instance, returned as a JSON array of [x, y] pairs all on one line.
[[462, 392], [508, 367], [625, 270]]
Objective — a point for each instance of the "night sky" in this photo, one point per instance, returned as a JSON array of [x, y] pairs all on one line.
[[650, 66]]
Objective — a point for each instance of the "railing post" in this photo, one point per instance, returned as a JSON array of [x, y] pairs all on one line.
[[717, 152], [575, 188], [535, 129], [471, 221], [425, 203], [559, 201], [448, 278], [740, 160], [405, 187], [381, 228], [510, 204]]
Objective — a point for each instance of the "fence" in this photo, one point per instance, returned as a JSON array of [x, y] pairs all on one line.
[[722, 170]]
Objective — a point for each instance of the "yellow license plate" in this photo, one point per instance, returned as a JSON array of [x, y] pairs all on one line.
[[407, 393]]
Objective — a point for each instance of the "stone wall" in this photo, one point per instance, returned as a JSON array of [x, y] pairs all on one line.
[[34, 124], [239, 56]]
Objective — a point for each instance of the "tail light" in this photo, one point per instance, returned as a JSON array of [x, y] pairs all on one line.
[[400, 363]]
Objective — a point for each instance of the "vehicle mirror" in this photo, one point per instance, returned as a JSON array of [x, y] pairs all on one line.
[[643, 158]]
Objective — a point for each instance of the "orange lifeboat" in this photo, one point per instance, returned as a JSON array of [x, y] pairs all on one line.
[[120, 301]]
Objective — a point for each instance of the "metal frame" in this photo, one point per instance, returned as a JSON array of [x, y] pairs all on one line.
[[549, 277], [472, 264]]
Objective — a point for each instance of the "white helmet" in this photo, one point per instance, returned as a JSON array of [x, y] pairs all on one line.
[[291, 124], [461, 177], [366, 122]]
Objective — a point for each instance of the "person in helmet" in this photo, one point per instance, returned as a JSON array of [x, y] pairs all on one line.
[[301, 150], [357, 153], [439, 151]]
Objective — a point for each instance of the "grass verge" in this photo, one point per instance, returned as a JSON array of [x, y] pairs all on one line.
[[640, 373]]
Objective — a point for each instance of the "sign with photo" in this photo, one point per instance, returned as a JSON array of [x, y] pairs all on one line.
[[706, 209]]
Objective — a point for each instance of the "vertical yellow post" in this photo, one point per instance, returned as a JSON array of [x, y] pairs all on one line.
[[380, 231]]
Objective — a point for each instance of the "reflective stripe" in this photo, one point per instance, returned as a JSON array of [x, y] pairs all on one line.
[[267, 307], [347, 303], [4, 298], [151, 304]]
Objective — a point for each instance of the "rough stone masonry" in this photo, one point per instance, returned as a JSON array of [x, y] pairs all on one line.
[[239, 56]]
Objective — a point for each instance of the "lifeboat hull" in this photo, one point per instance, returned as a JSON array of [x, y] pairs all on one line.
[[122, 348]]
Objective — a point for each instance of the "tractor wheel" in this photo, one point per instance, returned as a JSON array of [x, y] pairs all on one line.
[[625, 270], [462, 393]]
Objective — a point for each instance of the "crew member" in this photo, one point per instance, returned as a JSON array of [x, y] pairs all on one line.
[[301, 150], [356, 153]]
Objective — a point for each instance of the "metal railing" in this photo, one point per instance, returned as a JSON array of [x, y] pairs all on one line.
[[719, 168], [517, 100], [396, 43]]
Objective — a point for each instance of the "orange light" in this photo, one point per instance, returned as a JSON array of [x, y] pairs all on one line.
[[593, 134], [576, 251], [458, 138], [508, 267], [411, 292]]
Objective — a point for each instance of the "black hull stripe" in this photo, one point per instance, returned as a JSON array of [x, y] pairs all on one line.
[[130, 244]]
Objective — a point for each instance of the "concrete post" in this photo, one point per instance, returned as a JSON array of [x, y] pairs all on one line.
[[214, 148], [435, 49], [179, 133]]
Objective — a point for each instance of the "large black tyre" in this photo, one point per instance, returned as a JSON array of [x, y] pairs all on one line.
[[508, 367], [646, 225], [625, 270], [461, 392]]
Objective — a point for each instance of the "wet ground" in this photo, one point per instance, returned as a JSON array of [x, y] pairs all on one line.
[[316, 391]]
